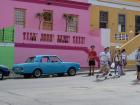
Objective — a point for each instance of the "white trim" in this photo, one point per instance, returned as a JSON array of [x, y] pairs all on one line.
[[117, 4], [7, 44], [122, 2]]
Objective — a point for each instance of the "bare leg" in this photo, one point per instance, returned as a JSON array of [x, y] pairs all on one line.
[[138, 75], [90, 69], [93, 68]]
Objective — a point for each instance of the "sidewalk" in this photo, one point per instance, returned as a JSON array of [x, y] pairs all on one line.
[[83, 71], [86, 71]]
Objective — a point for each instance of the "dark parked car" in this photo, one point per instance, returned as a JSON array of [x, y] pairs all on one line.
[[4, 71]]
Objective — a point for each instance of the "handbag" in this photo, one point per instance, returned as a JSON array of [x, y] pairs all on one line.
[[112, 65]]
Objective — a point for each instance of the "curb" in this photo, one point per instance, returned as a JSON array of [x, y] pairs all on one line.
[[97, 71]]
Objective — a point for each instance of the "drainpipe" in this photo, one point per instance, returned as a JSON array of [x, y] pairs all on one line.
[[13, 35], [3, 35]]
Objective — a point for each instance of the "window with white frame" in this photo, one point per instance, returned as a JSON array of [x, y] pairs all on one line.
[[20, 16], [71, 23], [121, 23]]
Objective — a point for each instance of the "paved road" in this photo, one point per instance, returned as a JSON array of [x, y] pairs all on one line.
[[78, 90]]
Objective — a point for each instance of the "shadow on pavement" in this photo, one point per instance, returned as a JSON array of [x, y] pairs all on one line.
[[136, 82]]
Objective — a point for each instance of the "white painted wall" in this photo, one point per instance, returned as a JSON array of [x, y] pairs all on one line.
[[105, 37], [132, 55]]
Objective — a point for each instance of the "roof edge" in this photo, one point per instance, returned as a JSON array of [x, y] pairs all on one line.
[[63, 3]]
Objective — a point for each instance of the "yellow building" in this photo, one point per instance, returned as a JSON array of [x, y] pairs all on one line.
[[122, 17]]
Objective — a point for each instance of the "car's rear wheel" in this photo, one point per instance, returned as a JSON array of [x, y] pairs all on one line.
[[1, 75], [37, 73], [72, 72]]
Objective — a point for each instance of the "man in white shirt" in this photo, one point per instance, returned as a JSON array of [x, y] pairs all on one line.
[[104, 61], [109, 56]]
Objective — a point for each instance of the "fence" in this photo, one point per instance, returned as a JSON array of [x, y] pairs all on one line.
[[7, 35]]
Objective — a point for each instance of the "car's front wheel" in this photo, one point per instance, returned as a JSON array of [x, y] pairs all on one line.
[[37, 73], [1, 75], [72, 72]]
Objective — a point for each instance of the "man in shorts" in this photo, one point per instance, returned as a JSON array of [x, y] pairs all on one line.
[[91, 59]]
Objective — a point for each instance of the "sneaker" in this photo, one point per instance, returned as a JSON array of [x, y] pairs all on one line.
[[97, 76], [89, 74], [105, 77], [110, 74]]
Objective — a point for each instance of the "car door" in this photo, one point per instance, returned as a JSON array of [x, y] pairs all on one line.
[[57, 66], [46, 65]]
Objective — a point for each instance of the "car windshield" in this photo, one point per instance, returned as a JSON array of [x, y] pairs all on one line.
[[30, 60]]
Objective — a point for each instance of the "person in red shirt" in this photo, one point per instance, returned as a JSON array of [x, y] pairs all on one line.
[[91, 58]]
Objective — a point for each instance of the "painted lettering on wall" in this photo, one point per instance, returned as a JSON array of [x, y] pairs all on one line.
[[30, 36], [45, 37]]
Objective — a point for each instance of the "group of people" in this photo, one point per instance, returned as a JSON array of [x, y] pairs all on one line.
[[118, 60], [107, 59]]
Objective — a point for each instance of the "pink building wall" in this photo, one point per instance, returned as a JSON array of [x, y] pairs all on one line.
[[86, 1], [67, 51], [7, 15], [65, 55]]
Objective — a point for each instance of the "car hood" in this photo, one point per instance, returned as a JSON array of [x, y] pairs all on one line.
[[3, 66]]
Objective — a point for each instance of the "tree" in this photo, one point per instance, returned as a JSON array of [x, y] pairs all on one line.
[[40, 17]]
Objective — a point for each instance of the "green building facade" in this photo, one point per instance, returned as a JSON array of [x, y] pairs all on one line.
[[7, 47]]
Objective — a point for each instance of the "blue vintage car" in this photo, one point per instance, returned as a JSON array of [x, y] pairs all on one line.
[[4, 71], [45, 65]]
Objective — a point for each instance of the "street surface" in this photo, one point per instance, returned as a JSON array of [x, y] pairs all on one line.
[[77, 90]]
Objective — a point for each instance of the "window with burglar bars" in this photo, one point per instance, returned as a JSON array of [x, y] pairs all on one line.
[[121, 23], [20, 16], [103, 19], [72, 23], [121, 37], [48, 20]]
